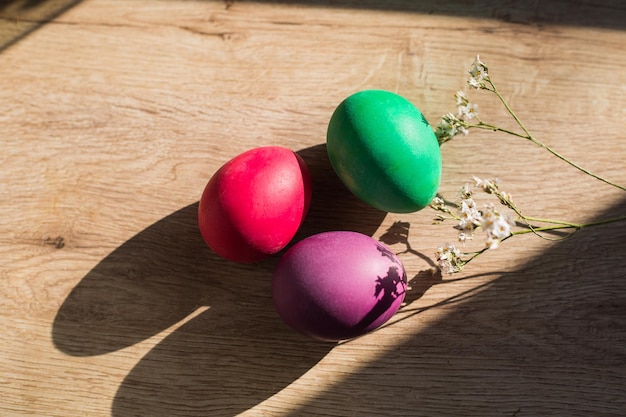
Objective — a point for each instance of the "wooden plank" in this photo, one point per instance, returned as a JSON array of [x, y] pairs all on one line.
[[114, 115]]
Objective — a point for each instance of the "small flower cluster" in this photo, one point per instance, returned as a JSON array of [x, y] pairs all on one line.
[[449, 259], [490, 186], [452, 124], [496, 225], [449, 126], [470, 216], [479, 74], [465, 109]]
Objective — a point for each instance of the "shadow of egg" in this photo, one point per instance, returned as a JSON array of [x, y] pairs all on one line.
[[232, 350], [226, 360], [333, 206], [147, 284]]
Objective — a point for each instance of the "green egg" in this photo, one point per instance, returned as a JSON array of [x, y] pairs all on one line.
[[384, 151]]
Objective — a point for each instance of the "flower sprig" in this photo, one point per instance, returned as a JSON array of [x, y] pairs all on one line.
[[498, 225], [466, 118], [469, 218]]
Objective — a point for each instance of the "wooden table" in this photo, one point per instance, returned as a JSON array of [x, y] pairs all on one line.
[[114, 115]]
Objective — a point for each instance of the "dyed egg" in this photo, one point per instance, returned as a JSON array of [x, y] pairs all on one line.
[[254, 204], [384, 151], [338, 285]]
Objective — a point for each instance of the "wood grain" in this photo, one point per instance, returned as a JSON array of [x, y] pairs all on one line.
[[114, 115]]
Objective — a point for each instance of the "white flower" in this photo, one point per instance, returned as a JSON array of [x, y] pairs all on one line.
[[507, 197], [492, 243], [497, 226], [448, 127], [465, 192], [478, 74], [491, 186], [461, 99], [465, 236], [470, 216], [465, 109], [489, 217], [438, 203], [448, 258], [473, 83], [448, 250], [488, 185], [469, 111], [500, 228], [445, 129]]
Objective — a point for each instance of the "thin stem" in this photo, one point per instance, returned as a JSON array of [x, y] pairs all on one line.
[[561, 225], [534, 140], [487, 126], [474, 255], [561, 222], [510, 110], [567, 225], [605, 221], [557, 226], [545, 229]]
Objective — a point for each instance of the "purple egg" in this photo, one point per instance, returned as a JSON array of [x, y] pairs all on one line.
[[338, 285]]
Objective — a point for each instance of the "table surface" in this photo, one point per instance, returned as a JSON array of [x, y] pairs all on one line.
[[114, 115]]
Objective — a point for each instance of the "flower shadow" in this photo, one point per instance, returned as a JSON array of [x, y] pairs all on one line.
[[545, 339], [398, 233]]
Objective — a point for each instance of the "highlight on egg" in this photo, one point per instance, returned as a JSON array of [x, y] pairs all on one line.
[[338, 285], [254, 204], [384, 151]]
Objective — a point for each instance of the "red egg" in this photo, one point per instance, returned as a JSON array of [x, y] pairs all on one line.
[[254, 204]]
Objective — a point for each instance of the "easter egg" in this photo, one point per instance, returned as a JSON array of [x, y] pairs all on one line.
[[254, 204], [338, 285], [384, 151]]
